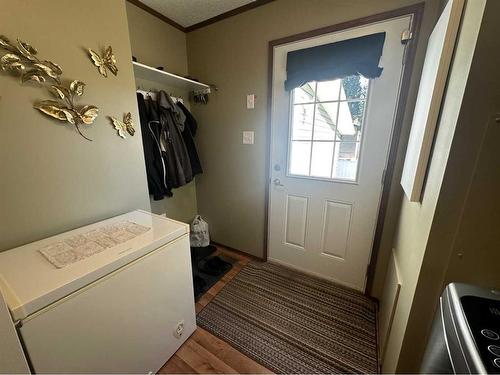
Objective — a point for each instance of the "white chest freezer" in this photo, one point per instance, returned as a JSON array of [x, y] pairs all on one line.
[[125, 309]]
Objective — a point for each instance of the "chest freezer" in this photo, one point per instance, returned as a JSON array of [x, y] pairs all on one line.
[[126, 308]]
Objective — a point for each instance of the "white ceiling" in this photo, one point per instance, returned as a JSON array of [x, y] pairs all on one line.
[[189, 12]]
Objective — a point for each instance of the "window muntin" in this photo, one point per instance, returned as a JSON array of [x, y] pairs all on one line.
[[325, 128]]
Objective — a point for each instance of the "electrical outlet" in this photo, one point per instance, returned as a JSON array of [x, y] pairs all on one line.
[[179, 329]]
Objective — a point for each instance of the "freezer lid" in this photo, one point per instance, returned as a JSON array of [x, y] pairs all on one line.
[[29, 282]]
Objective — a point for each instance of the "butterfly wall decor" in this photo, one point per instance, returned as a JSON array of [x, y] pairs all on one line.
[[107, 61], [126, 126]]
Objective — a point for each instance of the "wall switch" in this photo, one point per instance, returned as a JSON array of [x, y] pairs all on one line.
[[248, 137], [250, 101]]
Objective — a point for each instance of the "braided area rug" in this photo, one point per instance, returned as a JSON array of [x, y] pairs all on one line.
[[294, 323]]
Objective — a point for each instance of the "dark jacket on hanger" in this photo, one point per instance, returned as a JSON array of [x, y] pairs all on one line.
[[190, 120], [190, 126], [155, 166], [172, 119]]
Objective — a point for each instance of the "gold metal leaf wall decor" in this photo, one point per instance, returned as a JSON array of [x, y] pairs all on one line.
[[21, 59], [65, 109], [107, 61], [126, 126]]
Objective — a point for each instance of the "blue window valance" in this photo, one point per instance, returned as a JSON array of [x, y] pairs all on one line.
[[335, 60]]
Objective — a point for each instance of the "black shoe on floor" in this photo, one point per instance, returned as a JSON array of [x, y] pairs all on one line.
[[214, 266]]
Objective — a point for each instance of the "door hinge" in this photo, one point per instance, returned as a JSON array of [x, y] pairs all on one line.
[[406, 36]]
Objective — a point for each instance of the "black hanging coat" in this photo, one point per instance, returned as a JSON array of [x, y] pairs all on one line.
[[172, 119], [190, 126], [155, 166], [190, 120]]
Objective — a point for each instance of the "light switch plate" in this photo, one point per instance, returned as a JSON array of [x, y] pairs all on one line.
[[250, 101], [248, 137]]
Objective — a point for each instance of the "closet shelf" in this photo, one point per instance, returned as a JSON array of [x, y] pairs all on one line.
[[151, 74]]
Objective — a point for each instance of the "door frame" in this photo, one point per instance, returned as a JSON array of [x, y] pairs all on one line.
[[416, 11]]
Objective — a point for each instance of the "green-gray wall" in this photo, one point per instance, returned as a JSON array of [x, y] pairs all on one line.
[[51, 179]]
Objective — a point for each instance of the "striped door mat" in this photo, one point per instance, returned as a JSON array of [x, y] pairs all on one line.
[[294, 323]]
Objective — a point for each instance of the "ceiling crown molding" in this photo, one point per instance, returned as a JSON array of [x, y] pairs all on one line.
[[201, 24], [153, 12], [230, 13]]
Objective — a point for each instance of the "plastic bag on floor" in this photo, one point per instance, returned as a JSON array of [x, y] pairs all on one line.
[[199, 236]]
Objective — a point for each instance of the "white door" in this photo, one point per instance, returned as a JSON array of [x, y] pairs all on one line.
[[329, 147]]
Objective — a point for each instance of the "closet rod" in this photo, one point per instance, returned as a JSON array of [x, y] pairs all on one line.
[[153, 94]]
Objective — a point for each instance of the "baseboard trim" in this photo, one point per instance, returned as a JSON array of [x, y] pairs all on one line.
[[260, 259]]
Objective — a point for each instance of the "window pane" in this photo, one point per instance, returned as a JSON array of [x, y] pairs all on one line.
[[350, 119], [300, 154], [302, 122], [348, 150], [334, 125], [304, 94], [328, 91], [354, 87], [321, 164], [346, 160], [324, 123]]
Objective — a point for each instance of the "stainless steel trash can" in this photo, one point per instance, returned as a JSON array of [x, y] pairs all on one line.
[[465, 337]]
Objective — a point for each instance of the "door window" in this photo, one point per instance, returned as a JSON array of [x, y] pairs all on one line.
[[325, 128]]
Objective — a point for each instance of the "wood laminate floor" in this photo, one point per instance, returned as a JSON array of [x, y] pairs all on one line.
[[204, 353]]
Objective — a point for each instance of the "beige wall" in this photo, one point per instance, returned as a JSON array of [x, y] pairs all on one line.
[[233, 54], [464, 216], [431, 235], [156, 43], [475, 250], [396, 194], [475, 253], [51, 179]]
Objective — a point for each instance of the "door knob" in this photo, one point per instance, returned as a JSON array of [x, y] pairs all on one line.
[[277, 182]]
